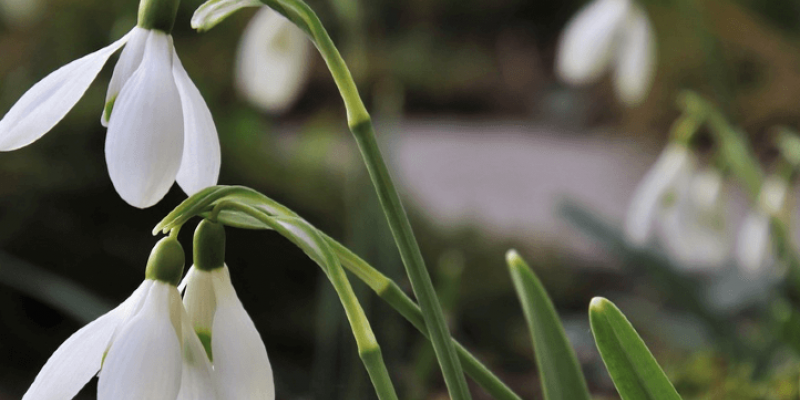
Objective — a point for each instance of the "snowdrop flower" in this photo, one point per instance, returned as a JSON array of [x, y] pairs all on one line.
[[159, 127], [754, 245], [694, 228], [241, 367], [609, 34], [657, 190], [272, 64], [144, 349], [20, 12]]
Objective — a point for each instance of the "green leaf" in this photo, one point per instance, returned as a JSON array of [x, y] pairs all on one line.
[[559, 369], [632, 367]]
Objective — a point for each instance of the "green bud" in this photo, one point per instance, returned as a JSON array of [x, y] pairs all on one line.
[[209, 245], [158, 14], [166, 261]]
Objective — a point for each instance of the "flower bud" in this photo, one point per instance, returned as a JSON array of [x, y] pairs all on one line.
[[166, 262], [158, 14], [209, 245]]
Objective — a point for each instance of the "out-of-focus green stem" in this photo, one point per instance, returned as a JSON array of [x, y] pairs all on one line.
[[368, 348], [361, 126]]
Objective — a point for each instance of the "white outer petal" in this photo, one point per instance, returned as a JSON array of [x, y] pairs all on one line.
[[241, 366], [199, 300], [49, 100], [128, 62], [635, 58], [201, 155], [753, 243], [78, 359], [144, 143], [272, 62], [197, 378], [587, 44], [673, 163], [144, 362]]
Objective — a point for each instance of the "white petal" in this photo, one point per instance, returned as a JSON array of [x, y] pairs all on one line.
[[197, 378], [144, 362], [144, 143], [273, 61], [127, 64], [213, 12], [587, 44], [200, 301], [675, 161], [635, 62], [78, 359], [241, 367], [201, 155], [753, 244], [49, 100]]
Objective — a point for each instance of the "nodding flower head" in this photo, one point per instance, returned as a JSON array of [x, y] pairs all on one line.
[[143, 349], [159, 127], [609, 34]]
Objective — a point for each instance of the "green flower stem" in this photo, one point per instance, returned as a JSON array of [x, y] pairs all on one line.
[[158, 14], [261, 210], [308, 239], [389, 292], [361, 126]]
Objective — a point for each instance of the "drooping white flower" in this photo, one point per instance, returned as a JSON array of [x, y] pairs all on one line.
[[242, 369], [159, 127], [754, 243], [144, 349], [694, 227], [272, 64], [657, 190], [609, 34]]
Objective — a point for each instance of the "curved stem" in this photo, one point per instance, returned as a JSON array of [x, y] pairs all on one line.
[[308, 239], [361, 126]]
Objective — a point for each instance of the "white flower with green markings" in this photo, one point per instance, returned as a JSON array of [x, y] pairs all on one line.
[[145, 349], [159, 127], [607, 34], [242, 370]]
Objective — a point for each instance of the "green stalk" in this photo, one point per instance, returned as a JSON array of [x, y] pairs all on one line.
[[361, 126], [389, 292], [203, 204], [317, 248]]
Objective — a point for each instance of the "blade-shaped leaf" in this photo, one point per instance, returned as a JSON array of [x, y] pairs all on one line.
[[632, 367], [559, 369]]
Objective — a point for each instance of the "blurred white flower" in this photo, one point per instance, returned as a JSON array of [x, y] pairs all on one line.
[[694, 227], [754, 244], [144, 349], [272, 64], [20, 12], [658, 189], [609, 34], [241, 367], [160, 129]]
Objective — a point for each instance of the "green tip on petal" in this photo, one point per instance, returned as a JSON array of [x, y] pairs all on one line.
[[205, 340], [209, 245], [109, 107], [166, 262]]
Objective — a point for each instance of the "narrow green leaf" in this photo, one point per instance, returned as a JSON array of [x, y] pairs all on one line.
[[632, 367], [559, 369]]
